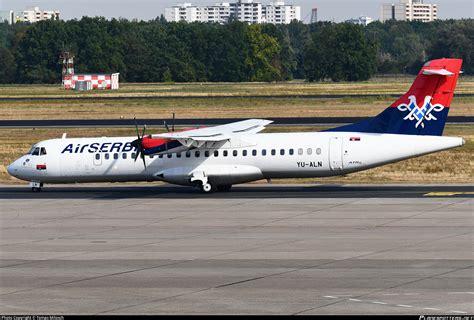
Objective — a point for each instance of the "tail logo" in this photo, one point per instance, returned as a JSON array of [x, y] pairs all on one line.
[[419, 114]]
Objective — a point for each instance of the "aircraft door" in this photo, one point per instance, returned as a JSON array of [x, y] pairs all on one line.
[[97, 159], [335, 153]]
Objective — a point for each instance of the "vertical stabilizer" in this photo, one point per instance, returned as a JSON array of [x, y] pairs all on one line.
[[423, 110]]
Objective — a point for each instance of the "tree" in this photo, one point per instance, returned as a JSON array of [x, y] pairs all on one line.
[[263, 56], [455, 40], [340, 52], [7, 66]]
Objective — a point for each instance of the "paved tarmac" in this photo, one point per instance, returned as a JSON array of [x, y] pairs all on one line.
[[124, 123], [143, 249]]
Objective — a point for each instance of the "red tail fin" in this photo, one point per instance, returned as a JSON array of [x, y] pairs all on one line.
[[437, 79], [423, 110]]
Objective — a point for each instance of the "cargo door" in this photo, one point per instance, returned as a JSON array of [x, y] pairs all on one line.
[[335, 153]]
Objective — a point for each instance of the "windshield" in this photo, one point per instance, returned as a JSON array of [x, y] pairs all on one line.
[[37, 151]]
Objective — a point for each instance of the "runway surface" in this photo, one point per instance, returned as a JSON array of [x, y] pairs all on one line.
[[123, 123], [249, 191], [277, 249]]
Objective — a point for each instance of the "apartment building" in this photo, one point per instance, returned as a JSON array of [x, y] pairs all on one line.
[[250, 11], [410, 10]]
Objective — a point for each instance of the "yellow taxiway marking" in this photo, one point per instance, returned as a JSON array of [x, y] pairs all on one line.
[[446, 194]]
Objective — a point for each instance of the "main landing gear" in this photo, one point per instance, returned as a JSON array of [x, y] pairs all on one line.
[[209, 188], [205, 185], [36, 186]]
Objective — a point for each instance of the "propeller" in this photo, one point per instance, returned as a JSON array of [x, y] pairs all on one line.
[[172, 124], [172, 127], [138, 143]]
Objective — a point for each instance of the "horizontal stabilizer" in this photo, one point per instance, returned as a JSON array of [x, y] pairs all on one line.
[[438, 72]]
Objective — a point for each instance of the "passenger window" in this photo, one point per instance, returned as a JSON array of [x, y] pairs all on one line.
[[133, 155], [318, 151], [216, 153], [151, 156], [160, 156], [264, 152], [225, 153], [169, 155], [254, 153], [282, 152], [273, 152], [197, 154], [244, 153], [235, 153], [188, 154], [206, 153], [291, 152], [309, 151], [178, 155], [43, 151], [300, 151], [97, 156], [116, 156], [36, 152], [106, 156], [124, 156]]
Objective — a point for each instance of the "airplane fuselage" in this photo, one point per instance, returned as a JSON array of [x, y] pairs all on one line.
[[244, 158]]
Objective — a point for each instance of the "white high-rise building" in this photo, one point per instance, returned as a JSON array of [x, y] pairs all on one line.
[[410, 10], [7, 16], [34, 14], [250, 11], [183, 11], [280, 13]]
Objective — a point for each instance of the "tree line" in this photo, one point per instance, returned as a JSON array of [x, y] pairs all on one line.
[[160, 51]]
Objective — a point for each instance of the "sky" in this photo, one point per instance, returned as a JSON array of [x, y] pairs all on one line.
[[332, 10]]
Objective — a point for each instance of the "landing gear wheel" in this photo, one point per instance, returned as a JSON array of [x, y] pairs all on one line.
[[207, 188], [225, 187], [36, 186]]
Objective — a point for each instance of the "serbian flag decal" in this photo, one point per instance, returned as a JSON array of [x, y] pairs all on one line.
[[40, 167], [354, 139]]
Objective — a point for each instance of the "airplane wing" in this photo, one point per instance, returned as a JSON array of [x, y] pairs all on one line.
[[198, 137]]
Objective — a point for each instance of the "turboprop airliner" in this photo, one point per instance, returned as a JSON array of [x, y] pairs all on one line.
[[215, 158]]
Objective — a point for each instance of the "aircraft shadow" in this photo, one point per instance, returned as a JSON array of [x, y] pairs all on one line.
[[246, 191]]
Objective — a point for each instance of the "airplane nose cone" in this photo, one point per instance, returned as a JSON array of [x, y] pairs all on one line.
[[11, 169]]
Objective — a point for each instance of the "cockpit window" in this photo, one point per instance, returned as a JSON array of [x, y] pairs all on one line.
[[43, 151], [36, 152]]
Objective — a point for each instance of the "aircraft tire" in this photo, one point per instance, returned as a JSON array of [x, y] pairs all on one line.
[[36, 189], [207, 188]]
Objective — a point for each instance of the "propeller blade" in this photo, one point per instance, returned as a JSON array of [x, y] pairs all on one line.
[[166, 125], [143, 158], [138, 143], [172, 127], [136, 126]]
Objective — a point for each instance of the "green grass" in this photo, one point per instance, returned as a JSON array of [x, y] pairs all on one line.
[[388, 85]]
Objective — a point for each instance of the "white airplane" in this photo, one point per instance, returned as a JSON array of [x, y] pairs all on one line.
[[216, 158]]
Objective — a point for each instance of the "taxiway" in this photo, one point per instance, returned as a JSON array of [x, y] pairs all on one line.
[[141, 249]]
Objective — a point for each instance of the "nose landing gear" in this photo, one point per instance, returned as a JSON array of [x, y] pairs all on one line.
[[36, 186]]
